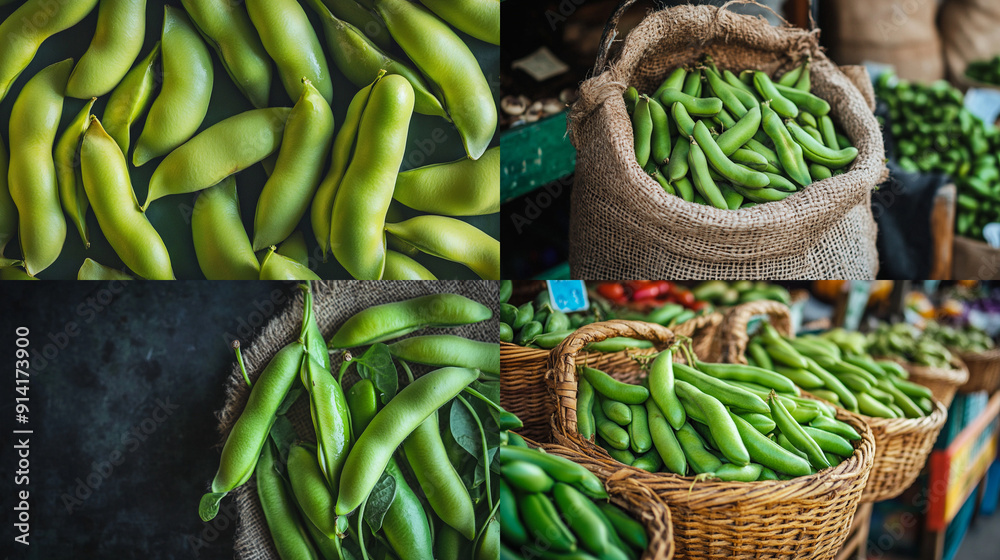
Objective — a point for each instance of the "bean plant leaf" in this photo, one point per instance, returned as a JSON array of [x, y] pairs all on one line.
[[293, 395], [350, 550], [379, 501], [376, 365], [283, 435], [464, 429]]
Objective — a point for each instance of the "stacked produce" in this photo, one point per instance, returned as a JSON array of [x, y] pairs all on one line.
[[908, 343], [405, 57], [836, 367], [649, 293], [551, 506], [965, 339], [722, 293], [934, 132], [732, 141], [377, 448], [724, 421], [985, 71]]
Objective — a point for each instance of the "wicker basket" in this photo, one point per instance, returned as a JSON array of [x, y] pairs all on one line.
[[522, 373], [804, 518], [640, 502], [902, 445], [984, 371]]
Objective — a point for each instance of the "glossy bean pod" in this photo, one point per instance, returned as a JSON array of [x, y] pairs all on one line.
[[290, 40], [67, 160], [310, 489], [121, 28], [221, 243], [459, 188], [452, 240], [391, 320], [448, 350], [330, 418], [275, 266], [401, 267], [93, 270], [479, 18], [291, 539], [131, 98]]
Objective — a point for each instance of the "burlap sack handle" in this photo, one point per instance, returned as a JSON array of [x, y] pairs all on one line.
[[562, 360], [734, 332]]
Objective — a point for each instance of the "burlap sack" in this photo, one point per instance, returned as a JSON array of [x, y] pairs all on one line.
[[969, 33], [623, 224], [334, 302]]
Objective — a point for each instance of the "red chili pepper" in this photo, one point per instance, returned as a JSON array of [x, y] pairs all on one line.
[[665, 287], [613, 291], [686, 298], [648, 292]]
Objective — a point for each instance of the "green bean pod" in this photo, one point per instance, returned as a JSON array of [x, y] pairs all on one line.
[[217, 152], [558, 468], [363, 18], [450, 66], [734, 138], [121, 28], [782, 105], [295, 248], [586, 521], [448, 350], [182, 104], [677, 169], [511, 526], [401, 267], [750, 159], [286, 195], [726, 393], [611, 387], [32, 174], [479, 18], [814, 150], [291, 540], [488, 547], [789, 153], [392, 320], [696, 106], [736, 173], [27, 28], [585, 409], [131, 98], [106, 181], [220, 240], [768, 453], [806, 101], [249, 433], [445, 491], [719, 422], [226, 26], [459, 188], [275, 266], [357, 236], [692, 83], [730, 100], [290, 40], [664, 439], [544, 524], [702, 460], [796, 435], [8, 210], [310, 488], [453, 240], [392, 424], [93, 270], [330, 418], [660, 140], [702, 178], [67, 160], [661, 388], [642, 130]]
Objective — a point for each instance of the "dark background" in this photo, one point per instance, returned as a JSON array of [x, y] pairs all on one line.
[[147, 359]]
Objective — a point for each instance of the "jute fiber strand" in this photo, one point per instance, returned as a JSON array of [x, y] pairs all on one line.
[[640, 502], [624, 225], [333, 303], [901, 444], [804, 518], [522, 373], [984, 371]]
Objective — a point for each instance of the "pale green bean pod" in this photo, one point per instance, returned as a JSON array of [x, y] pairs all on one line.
[[479, 18], [131, 99], [356, 231], [449, 64], [67, 160], [452, 240], [93, 270], [220, 240], [275, 266], [361, 61], [295, 248], [14, 273], [227, 28], [364, 19], [28, 27], [288, 191], [121, 28], [8, 211], [106, 180], [32, 174], [465, 187], [401, 267], [217, 152], [180, 108], [290, 39]]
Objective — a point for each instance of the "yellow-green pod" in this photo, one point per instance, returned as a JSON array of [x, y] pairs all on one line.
[[343, 147], [227, 147], [401, 267], [297, 172], [364, 19], [450, 66], [221, 242], [180, 108], [131, 99], [106, 180], [452, 240], [361, 60], [67, 159], [465, 187], [275, 266], [227, 28], [32, 174], [14, 273], [121, 28], [93, 270], [295, 248], [24, 31], [8, 211], [356, 231], [479, 18], [290, 39]]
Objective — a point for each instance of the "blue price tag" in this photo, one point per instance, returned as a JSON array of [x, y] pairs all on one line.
[[568, 295], [984, 103]]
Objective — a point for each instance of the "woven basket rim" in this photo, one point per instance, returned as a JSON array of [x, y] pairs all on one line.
[[735, 336], [987, 355]]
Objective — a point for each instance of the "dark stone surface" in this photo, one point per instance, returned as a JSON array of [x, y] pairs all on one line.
[[125, 381]]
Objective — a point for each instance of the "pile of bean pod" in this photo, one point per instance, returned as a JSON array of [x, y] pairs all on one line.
[[934, 132], [720, 292], [551, 506], [965, 339], [724, 421], [907, 342], [405, 56], [385, 463], [740, 140], [985, 71], [837, 369]]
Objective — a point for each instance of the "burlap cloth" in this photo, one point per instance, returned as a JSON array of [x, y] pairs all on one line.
[[624, 225], [334, 302]]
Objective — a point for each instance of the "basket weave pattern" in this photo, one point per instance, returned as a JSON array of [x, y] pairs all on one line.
[[984, 371]]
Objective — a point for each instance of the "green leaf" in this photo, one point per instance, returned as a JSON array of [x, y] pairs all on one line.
[[489, 389], [350, 550], [379, 501], [208, 508], [464, 429], [293, 395], [283, 434], [376, 364]]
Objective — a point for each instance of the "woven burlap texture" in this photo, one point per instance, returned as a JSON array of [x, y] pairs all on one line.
[[334, 302], [624, 225]]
